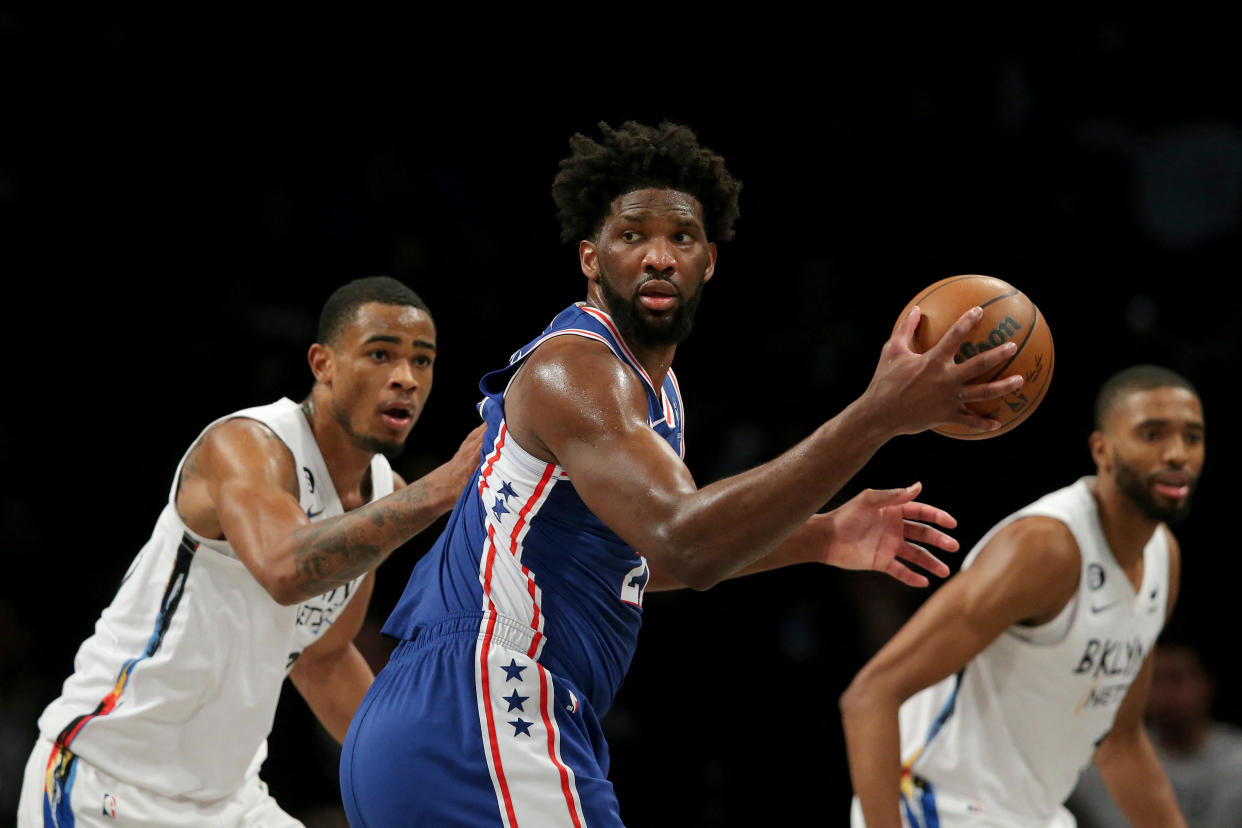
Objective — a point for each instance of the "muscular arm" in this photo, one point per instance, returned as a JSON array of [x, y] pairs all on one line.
[[331, 674], [1027, 573], [880, 530], [243, 486], [1127, 759], [574, 403]]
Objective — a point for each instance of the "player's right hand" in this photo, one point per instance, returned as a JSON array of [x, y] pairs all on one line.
[[911, 392]]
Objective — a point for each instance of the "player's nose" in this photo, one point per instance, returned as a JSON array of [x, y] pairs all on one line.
[[659, 255], [402, 375], [1176, 452]]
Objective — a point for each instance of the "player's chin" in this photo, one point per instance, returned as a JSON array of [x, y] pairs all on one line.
[[389, 445]]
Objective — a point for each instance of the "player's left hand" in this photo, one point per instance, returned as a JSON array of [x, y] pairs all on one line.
[[881, 529]]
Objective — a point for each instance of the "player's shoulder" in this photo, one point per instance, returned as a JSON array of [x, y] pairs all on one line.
[[242, 443], [1032, 563], [578, 369], [241, 431], [1038, 545]]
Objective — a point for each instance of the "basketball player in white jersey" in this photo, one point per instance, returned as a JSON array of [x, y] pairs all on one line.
[[259, 567], [1034, 659]]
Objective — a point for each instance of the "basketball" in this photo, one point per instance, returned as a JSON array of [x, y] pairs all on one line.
[[1007, 315]]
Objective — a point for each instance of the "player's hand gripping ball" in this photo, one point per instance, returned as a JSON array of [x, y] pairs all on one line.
[[1007, 315]]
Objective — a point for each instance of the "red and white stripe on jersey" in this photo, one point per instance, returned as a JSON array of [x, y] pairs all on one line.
[[512, 488], [533, 784], [670, 416]]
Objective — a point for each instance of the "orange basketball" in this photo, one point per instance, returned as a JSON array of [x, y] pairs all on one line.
[[1007, 315]]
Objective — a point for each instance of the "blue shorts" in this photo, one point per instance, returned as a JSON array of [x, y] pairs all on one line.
[[462, 727]]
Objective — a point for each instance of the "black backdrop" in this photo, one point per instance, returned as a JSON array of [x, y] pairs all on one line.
[[178, 196]]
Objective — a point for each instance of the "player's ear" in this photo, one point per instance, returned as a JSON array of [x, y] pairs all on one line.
[[322, 362], [1098, 444], [711, 262], [588, 258]]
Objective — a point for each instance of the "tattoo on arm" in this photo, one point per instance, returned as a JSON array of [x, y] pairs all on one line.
[[333, 552]]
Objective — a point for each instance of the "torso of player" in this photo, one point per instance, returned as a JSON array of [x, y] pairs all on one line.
[[521, 544], [177, 689], [1015, 728]]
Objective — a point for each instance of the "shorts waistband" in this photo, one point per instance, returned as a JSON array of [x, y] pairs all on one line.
[[505, 632]]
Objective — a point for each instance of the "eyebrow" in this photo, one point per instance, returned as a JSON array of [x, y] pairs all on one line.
[[1157, 421], [396, 340]]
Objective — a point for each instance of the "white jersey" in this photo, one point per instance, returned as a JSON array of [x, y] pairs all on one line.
[[176, 690], [1014, 729]]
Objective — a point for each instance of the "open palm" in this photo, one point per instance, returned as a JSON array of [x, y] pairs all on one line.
[[881, 529]]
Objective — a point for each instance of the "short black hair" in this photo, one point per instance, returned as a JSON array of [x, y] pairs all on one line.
[[339, 310], [1135, 378], [632, 158]]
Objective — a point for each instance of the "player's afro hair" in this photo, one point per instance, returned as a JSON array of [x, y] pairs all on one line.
[[1135, 378], [339, 310], [631, 158]]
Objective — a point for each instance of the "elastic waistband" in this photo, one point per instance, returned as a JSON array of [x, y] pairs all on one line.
[[505, 632]]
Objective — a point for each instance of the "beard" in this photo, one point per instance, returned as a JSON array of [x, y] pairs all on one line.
[[642, 329], [391, 449], [1133, 486]]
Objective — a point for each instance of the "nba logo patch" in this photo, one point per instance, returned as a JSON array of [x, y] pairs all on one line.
[[109, 806]]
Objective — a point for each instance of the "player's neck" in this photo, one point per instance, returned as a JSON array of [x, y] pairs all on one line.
[[655, 361], [1126, 528], [348, 465]]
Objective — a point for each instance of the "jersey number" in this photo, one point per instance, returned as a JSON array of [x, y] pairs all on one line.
[[635, 582]]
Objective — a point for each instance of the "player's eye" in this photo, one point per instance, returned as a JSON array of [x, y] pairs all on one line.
[[423, 361], [378, 355], [629, 235]]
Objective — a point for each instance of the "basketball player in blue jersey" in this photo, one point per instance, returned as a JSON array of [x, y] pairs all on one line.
[[518, 627], [1035, 659], [258, 568]]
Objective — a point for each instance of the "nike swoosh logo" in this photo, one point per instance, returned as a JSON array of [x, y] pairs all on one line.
[[1109, 605], [313, 515]]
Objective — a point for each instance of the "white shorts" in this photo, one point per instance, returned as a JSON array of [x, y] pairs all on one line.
[[99, 800], [947, 811]]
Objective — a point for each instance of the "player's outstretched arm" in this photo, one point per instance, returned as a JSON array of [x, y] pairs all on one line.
[[248, 493], [1027, 573], [1126, 758], [884, 530], [331, 674], [575, 404]]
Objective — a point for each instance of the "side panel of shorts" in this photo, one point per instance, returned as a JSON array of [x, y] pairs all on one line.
[[459, 730], [75, 794]]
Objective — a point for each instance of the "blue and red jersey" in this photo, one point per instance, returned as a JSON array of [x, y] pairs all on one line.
[[523, 553]]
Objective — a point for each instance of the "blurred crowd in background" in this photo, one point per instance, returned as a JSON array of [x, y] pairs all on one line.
[[177, 199]]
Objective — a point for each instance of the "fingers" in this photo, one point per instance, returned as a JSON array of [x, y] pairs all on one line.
[[906, 575], [883, 498], [991, 390], [956, 334], [928, 514], [905, 330], [920, 557], [931, 536], [986, 361]]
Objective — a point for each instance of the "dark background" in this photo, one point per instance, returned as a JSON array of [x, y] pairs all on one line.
[[178, 195]]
